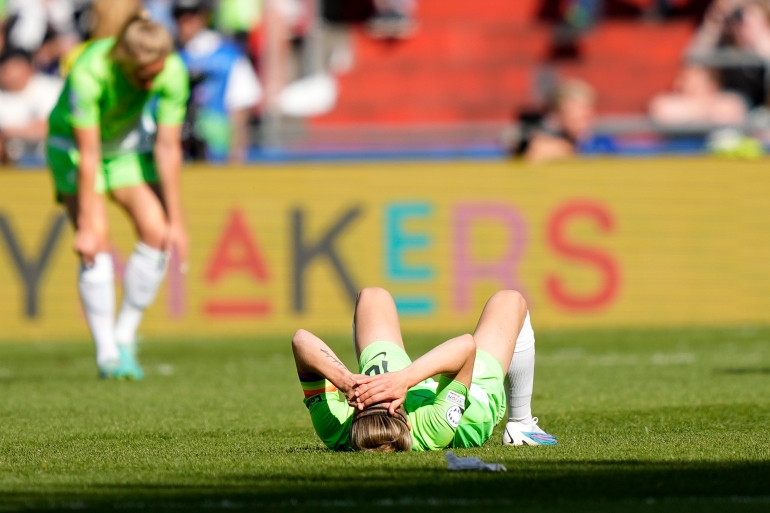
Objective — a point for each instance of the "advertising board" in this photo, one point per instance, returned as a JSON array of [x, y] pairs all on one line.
[[602, 243]]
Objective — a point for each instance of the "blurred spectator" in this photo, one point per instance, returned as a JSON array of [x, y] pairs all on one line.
[[566, 130], [43, 28], [106, 18], [743, 26], [393, 19], [26, 100], [697, 99], [237, 19], [224, 87], [162, 12]]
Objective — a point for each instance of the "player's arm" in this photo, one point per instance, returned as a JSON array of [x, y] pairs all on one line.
[[172, 108], [168, 158], [84, 116], [312, 355], [88, 141], [454, 359]]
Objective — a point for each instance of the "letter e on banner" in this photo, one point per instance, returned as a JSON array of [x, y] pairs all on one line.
[[603, 262]]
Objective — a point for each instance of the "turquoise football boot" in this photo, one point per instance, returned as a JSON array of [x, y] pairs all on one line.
[[111, 369], [129, 365]]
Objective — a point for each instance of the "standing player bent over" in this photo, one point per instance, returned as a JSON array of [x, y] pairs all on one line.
[[101, 142], [395, 405]]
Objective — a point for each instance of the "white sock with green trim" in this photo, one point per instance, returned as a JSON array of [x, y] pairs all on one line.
[[96, 285], [520, 378], [145, 270]]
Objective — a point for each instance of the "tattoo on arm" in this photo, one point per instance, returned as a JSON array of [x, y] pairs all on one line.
[[331, 356]]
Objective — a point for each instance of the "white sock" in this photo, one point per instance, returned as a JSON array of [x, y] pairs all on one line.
[[97, 292], [521, 376], [144, 273]]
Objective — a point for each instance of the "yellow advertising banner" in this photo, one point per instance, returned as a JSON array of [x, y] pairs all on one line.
[[597, 243]]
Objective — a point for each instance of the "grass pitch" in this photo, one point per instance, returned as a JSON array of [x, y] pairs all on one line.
[[674, 420]]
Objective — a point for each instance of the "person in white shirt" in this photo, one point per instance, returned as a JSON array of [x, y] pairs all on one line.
[[26, 98]]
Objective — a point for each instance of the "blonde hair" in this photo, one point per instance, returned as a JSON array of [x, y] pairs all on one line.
[[142, 41], [375, 430], [109, 16]]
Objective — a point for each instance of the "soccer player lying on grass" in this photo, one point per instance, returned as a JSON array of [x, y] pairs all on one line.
[[395, 405]]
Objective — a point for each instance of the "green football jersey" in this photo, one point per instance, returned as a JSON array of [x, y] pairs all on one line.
[[97, 93], [434, 409]]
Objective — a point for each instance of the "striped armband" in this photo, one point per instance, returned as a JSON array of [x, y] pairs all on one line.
[[315, 384]]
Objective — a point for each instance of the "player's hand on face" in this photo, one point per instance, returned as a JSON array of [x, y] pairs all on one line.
[[178, 241], [391, 386], [86, 244]]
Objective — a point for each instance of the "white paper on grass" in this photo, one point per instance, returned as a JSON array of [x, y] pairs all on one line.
[[457, 463]]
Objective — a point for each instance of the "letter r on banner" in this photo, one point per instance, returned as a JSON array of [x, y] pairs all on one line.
[[503, 270]]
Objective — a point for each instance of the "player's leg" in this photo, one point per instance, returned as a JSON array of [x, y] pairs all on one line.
[[500, 324], [505, 332], [520, 380], [96, 285], [375, 319], [146, 266]]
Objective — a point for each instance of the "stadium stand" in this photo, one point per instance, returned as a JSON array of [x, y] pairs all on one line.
[[485, 56], [459, 76]]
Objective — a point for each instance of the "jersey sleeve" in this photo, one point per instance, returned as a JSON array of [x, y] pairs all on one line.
[[434, 424], [331, 415], [175, 90], [84, 91]]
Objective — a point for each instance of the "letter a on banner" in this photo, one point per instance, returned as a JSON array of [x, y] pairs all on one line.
[[236, 252]]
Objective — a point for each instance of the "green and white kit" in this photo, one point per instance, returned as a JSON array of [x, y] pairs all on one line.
[[442, 414], [98, 94]]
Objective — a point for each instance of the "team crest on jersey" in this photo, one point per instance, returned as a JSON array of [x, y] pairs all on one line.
[[453, 416], [455, 398], [479, 368]]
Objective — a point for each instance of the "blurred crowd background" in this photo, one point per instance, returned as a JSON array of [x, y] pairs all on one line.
[[317, 79]]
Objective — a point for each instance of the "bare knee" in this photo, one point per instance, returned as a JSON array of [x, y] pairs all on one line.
[[467, 344], [154, 234], [511, 299], [373, 294]]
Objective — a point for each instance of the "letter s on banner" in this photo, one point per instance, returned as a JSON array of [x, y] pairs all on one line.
[[603, 262]]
